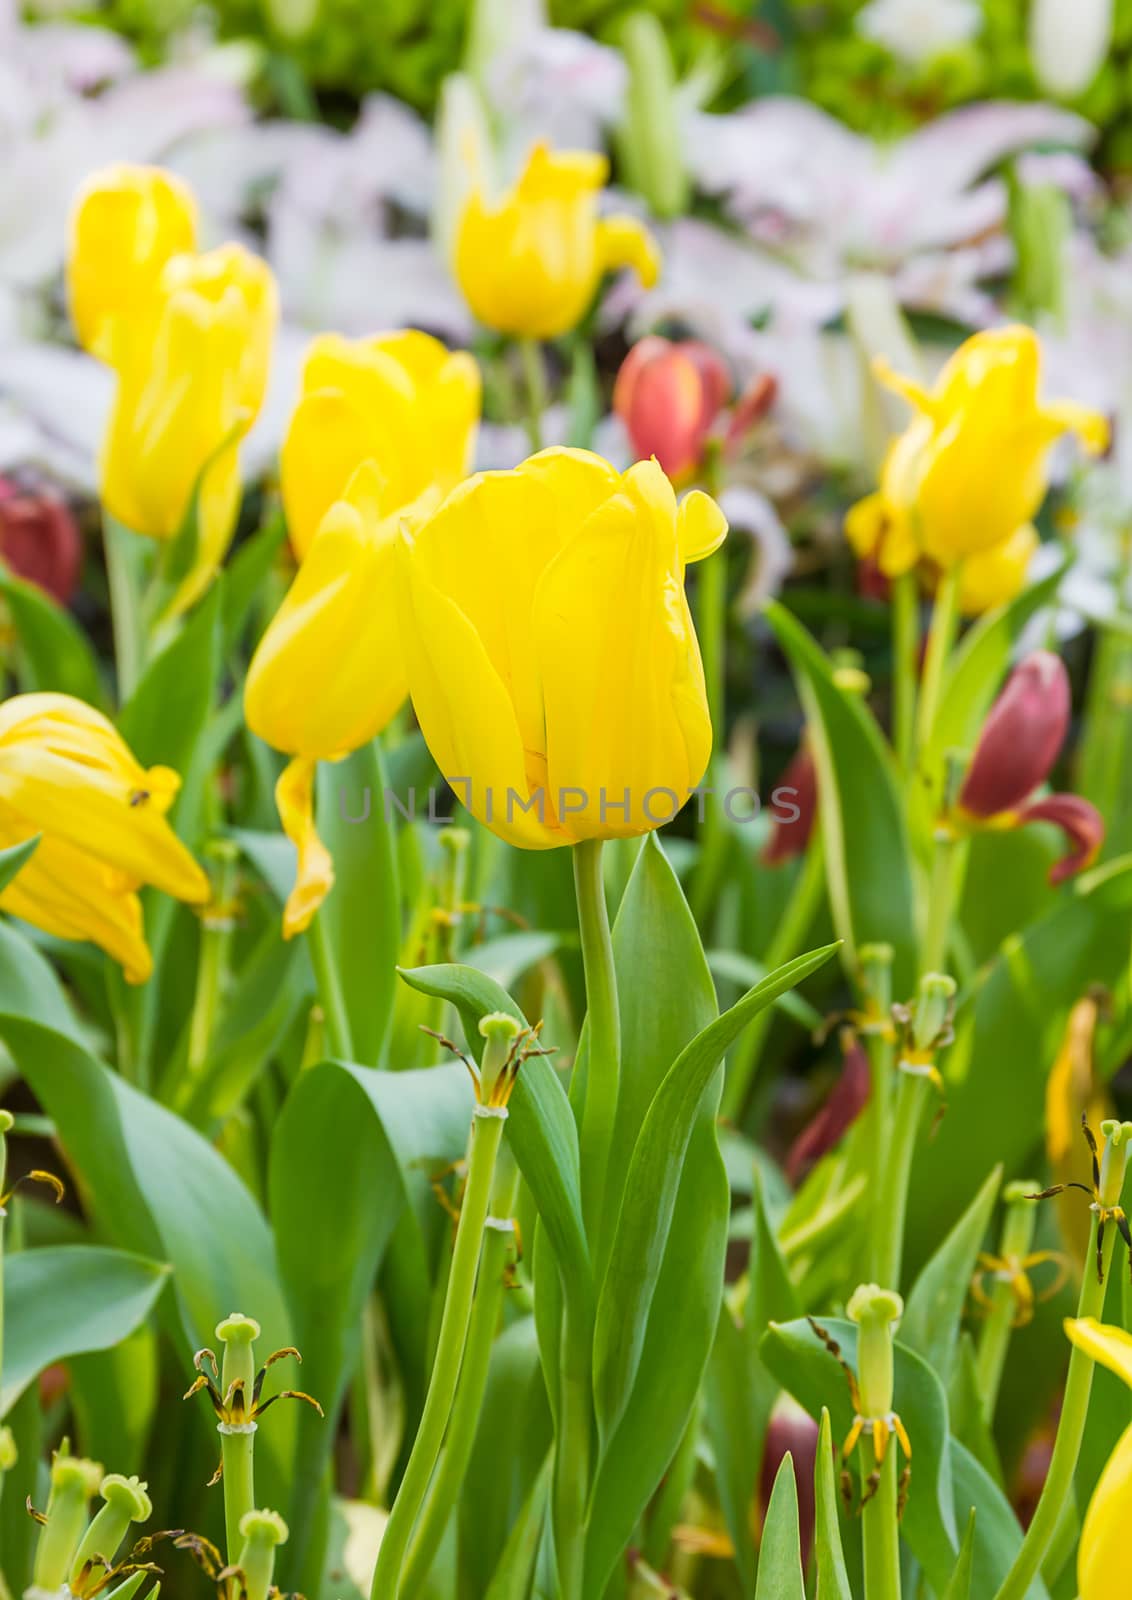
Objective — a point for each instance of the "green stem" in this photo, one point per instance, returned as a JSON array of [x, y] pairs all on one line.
[[888, 1246], [448, 1480], [941, 901], [603, 1033], [793, 925], [1070, 1430], [487, 1133], [339, 1040], [1017, 1239], [237, 1451], [534, 379], [573, 1447], [905, 664], [941, 637], [217, 930], [125, 605], [880, 1527]]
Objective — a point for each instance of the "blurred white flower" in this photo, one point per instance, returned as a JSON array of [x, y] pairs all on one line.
[[1069, 40], [916, 31]]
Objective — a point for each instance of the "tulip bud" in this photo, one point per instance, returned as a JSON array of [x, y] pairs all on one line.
[[792, 1431], [39, 539], [1069, 40], [823, 1132], [668, 395], [1021, 737], [795, 800], [651, 136]]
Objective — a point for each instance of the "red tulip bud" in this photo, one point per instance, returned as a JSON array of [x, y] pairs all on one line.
[[668, 395], [1021, 737], [794, 1430], [750, 408], [794, 804], [39, 540], [848, 1098], [1081, 823]]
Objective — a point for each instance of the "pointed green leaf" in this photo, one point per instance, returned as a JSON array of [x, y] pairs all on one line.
[[934, 1309], [960, 1586], [780, 1555], [833, 1579], [53, 651], [12, 859]]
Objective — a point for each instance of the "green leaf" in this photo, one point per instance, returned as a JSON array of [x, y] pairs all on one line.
[[512, 1577], [12, 859], [780, 1557], [69, 1299], [245, 576], [540, 1129], [960, 1586], [352, 1148], [361, 916], [965, 1403], [997, 1536], [29, 986], [651, 1188], [934, 1309], [732, 966], [55, 653], [815, 1379], [833, 1579], [868, 859]]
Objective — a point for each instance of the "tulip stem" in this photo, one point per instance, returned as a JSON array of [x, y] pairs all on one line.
[[487, 1134], [603, 1032], [941, 637], [905, 661], [125, 604], [534, 375], [1058, 1486], [339, 1040], [888, 1250]]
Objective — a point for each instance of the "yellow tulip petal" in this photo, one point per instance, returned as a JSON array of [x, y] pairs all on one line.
[[328, 438], [1102, 1556], [1111, 1346], [624, 242], [561, 173], [314, 879], [701, 526], [993, 577], [626, 711], [908, 389], [1090, 427], [461, 703]]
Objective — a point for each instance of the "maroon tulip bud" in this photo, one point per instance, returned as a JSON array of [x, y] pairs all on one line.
[[794, 1430], [1081, 823], [750, 409], [39, 539], [1020, 739], [794, 805], [846, 1101], [668, 395]]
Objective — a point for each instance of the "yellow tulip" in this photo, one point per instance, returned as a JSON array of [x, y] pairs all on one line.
[[400, 400], [126, 224], [67, 775], [530, 263], [192, 370], [970, 469], [328, 675], [993, 577], [551, 656], [1102, 1555]]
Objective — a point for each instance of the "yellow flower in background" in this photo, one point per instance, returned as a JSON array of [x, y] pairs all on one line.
[[67, 775], [127, 222], [192, 369], [530, 262], [551, 656], [993, 577], [970, 469], [400, 400], [1102, 1555], [328, 675]]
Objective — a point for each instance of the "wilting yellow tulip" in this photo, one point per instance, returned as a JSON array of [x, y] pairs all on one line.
[[1102, 1555], [970, 469], [67, 775], [192, 370], [126, 224], [551, 656], [530, 263], [400, 400], [328, 674]]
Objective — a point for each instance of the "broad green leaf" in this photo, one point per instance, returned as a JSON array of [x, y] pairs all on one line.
[[12, 859], [28, 984], [69, 1299], [246, 575], [512, 1577], [114, 1395], [868, 862], [540, 1130], [18, 1533], [960, 1586], [780, 1557], [965, 1405], [997, 1536], [732, 966], [804, 1366], [54, 652], [934, 1309], [507, 957], [651, 1188], [361, 916], [350, 1150], [833, 1579]]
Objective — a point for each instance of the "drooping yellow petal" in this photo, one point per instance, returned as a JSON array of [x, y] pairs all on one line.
[[314, 878], [1102, 1342], [626, 242], [701, 526]]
